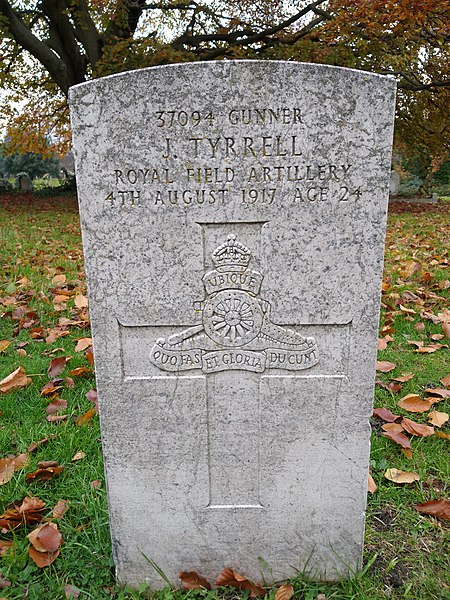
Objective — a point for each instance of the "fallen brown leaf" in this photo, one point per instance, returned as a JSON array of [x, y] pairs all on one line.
[[56, 405], [391, 386], [382, 344], [71, 591], [5, 545], [190, 580], [385, 414], [437, 336], [4, 583], [9, 465], [437, 418], [78, 456], [56, 418], [81, 301], [229, 578], [401, 476], [26, 513], [371, 485], [385, 366], [51, 387], [45, 464], [4, 345], [438, 392], [398, 438], [80, 371], [436, 508], [441, 434], [392, 427], [286, 591], [59, 279], [92, 396], [96, 484], [446, 329], [57, 366], [43, 559], [90, 356], [414, 403], [83, 344], [61, 507], [46, 537], [21, 352], [417, 429], [446, 381], [16, 379], [404, 377], [86, 418], [44, 474]]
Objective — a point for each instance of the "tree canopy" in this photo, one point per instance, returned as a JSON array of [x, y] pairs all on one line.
[[50, 45]]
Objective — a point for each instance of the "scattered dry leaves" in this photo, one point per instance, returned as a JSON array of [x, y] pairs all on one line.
[[441, 392], [5, 545], [4, 345], [404, 377], [80, 371], [401, 476], [56, 405], [27, 512], [398, 438], [417, 429], [371, 485], [229, 578], [9, 465], [83, 344], [286, 591], [385, 366], [414, 403], [437, 418], [190, 580], [385, 414], [61, 507], [43, 559], [15, 380], [78, 456], [46, 537], [392, 427], [57, 366], [86, 418], [436, 508], [44, 474]]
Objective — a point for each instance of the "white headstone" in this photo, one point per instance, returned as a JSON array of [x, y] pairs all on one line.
[[233, 219], [394, 183]]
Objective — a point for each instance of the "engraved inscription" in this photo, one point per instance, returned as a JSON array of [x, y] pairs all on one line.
[[236, 332]]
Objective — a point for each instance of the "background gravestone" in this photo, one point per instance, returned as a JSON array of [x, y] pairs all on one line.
[[23, 182], [233, 219], [394, 183]]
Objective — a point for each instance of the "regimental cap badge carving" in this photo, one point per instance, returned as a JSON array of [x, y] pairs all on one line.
[[231, 256], [236, 331], [231, 261]]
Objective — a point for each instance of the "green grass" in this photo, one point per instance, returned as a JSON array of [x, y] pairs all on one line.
[[405, 552]]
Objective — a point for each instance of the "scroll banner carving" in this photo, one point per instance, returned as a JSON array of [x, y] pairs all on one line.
[[236, 332]]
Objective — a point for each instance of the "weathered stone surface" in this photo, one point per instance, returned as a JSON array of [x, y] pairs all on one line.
[[233, 220]]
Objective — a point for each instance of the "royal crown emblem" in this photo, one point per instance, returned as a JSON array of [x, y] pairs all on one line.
[[236, 331]]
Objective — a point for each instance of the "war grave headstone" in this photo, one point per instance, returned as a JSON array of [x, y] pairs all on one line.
[[233, 217]]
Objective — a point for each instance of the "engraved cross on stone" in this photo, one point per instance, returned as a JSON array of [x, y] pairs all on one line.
[[232, 347]]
